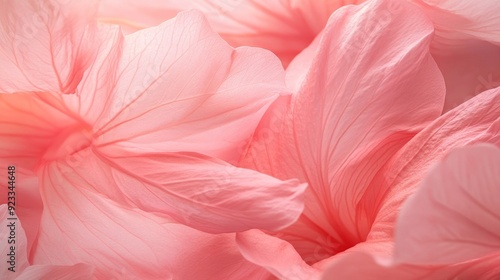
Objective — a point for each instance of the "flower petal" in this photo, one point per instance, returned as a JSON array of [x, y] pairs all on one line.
[[283, 27], [79, 225], [45, 45], [475, 121], [456, 209], [466, 46], [274, 254], [180, 87], [204, 193], [365, 94]]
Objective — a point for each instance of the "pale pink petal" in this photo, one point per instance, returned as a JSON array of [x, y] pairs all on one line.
[[122, 243], [180, 92], [59, 272], [284, 27], [456, 210], [204, 193], [274, 254], [466, 46], [45, 45], [367, 91], [475, 121]]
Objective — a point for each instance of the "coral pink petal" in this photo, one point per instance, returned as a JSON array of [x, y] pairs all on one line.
[[365, 94], [274, 254], [475, 121], [179, 92], [30, 125], [45, 45], [202, 192], [456, 208], [122, 243], [284, 27]]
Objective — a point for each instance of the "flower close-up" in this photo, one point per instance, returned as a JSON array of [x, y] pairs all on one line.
[[249, 139]]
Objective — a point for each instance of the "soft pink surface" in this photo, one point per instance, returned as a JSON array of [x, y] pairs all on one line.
[[359, 101], [46, 45], [139, 149], [283, 27], [349, 131], [22, 268]]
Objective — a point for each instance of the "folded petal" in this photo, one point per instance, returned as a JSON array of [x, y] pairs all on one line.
[[456, 209], [274, 254], [79, 225], [180, 87], [283, 27], [367, 91], [45, 45], [201, 192], [475, 121], [466, 46]]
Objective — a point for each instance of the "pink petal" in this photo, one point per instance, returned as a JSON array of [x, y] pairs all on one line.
[[284, 27], [179, 92], [365, 94], [274, 254], [475, 121], [204, 193], [466, 46], [45, 45], [456, 209], [123, 243]]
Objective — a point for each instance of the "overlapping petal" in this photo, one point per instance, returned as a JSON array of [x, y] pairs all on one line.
[[202, 192], [475, 121], [165, 99], [126, 243], [274, 254], [456, 210], [283, 27], [45, 45], [366, 92]]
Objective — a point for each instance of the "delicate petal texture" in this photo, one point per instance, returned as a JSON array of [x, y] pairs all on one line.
[[475, 121], [466, 46], [284, 27], [457, 210], [366, 93], [276, 255], [123, 243], [165, 99], [51, 272], [45, 45], [202, 192]]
